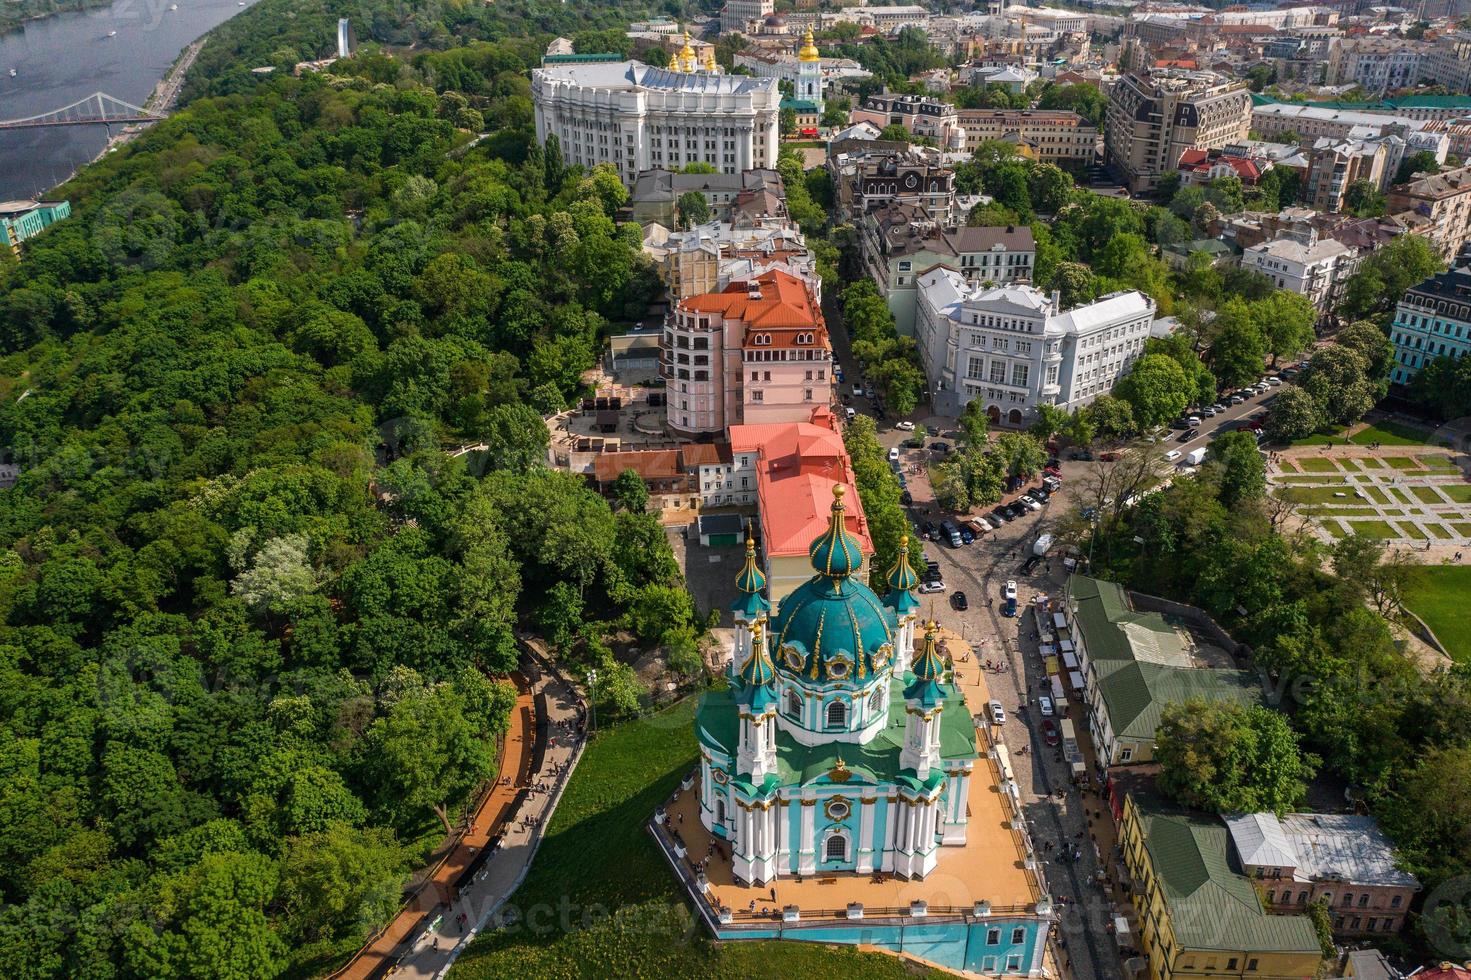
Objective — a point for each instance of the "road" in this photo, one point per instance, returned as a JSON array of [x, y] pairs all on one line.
[[1056, 810]]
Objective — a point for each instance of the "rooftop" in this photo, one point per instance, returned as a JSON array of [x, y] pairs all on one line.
[[1449, 184], [775, 300], [1211, 906], [634, 75], [1343, 847], [1145, 663], [799, 463], [1294, 251]]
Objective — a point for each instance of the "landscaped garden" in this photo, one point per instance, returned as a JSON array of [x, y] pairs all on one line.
[[1438, 594], [601, 900]]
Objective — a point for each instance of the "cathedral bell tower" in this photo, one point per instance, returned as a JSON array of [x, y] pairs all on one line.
[[809, 73]]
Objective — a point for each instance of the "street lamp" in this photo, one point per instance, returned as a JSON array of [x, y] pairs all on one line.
[[592, 700]]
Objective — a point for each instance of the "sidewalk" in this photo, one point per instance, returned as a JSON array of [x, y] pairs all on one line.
[[435, 948]]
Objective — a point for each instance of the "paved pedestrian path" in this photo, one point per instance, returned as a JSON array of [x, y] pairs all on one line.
[[464, 913], [1415, 497]]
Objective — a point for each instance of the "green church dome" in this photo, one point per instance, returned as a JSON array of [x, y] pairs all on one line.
[[833, 627]]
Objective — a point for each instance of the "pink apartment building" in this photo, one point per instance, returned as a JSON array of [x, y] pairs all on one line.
[[757, 352]]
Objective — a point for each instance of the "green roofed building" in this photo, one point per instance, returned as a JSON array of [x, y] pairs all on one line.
[[1135, 663], [1197, 915]]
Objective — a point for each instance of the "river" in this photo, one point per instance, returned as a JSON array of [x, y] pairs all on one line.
[[63, 58]]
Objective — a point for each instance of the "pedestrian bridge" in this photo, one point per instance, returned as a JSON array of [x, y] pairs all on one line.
[[99, 108]]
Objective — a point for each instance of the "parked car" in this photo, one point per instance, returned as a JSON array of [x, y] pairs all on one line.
[[958, 600], [1050, 734], [1000, 516], [929, 588], [1180, 424], [1082, 454], [930, 531], [858, 391], [1219, 407], [913, 442], [894, 455], [1173, 455], [997, 713], [1186, 436], [1193, 421], [1009, 590], [904, 426], [940, 447], [906, 499], [967, 535], [1113, 455], [1029, 503], [1208, 411], [1274, 381], [1235, 400]]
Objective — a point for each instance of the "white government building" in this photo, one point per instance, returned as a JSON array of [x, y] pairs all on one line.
[[638, 117], [1014, 348]]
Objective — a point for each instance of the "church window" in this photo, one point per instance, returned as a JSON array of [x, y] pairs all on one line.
[[876, 703], [720, 811], [837, 848], [837, 714], [794, 704]]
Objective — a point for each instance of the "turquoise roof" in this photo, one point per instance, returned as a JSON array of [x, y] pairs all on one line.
[[836, 553], [758, 673], [749, 584], [799, 105], [831, 626], [902, 582], [875, 761], [929, 671]]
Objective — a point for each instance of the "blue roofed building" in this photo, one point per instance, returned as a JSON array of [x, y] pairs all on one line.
[[1432, 320], [20, 220]]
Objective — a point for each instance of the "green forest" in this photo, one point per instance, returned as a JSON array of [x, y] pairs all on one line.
[[252, 610]]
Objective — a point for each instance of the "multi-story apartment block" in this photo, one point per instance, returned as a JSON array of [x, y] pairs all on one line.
[[1053, 135], [1376, 64], [1333, 165], [920, 114], [877, 179], [1341, 859], [1014, 348], [655, 195], [638, 117], [709, 257], [1444, 199], [1314, 122], [1448, 61], [1155, 117], [739, 15], [898, 244], [1197, 917], [1432, 320], [1316, 269], [755, 352]]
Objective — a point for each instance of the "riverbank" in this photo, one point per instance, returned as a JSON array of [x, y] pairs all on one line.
[[135, 53], [15, 16]]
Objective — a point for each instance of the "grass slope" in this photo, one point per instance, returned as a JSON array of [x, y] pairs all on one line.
[[1437, 594], [604, 902]]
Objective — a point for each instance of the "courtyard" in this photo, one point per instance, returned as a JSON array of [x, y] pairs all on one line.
[[1410, 495]]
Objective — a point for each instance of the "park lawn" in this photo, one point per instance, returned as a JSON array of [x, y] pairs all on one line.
[[1316, 495], [1458, 492], [1439, 531], [1378, 495], [1312, 464], [1428, 495], [1309, 478], [1391, 433], [1373, 529], [1440, 463], [1334, 528], [1402, 462], [1409, 530], [1339, 511], [1437, 594], [1333, 438], [599, 871], [1462, 528]]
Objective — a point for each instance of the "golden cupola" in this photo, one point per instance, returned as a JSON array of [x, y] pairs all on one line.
[[687, 54], [809, 49]]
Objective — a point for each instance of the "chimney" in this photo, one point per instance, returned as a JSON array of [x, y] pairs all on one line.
[[1056, 300]]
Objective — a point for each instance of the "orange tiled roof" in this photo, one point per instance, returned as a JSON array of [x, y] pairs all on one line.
[[783, 302], [800, 463]]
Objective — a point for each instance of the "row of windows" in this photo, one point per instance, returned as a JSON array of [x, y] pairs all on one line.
[[1435, 326], [976, 368], [978, 341], [786, 354]]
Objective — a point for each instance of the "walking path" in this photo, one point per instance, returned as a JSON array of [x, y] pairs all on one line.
[[1413, 496], [455, 923]]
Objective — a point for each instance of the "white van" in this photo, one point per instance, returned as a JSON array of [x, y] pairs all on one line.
[[851, 414]]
